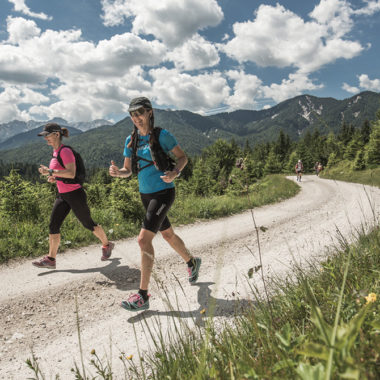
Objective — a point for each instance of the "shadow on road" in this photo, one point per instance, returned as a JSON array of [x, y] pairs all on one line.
[[123, 277], [209, 306]]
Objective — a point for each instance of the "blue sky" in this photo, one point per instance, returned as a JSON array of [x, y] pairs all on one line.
[[85, 59]]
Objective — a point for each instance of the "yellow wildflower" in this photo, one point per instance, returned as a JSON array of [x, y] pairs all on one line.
[[130, 357], [93, 351], [370, 298], [203, 311]]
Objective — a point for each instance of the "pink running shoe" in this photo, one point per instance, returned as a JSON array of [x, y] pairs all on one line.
[[106, 251], [45, 262], [135, 303]]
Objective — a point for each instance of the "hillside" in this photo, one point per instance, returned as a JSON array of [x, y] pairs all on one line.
[[12, 129], [194, 132], [298, 115], [29, 137]]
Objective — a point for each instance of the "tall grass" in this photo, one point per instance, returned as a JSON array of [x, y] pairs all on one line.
[[343, 171]]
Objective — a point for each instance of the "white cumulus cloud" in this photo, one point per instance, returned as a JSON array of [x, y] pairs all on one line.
[[20, 6], [247, 89], [170, 21], [369, 84], [351, 89], [10, 99], [20, 29], [288, 88], [194, 54], [278, 37], [197, 93], [87, 80], [372, 6]]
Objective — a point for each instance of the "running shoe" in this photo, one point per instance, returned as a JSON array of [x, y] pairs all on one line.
[[194, 270], [135, 303], [106, 251], [45, 262]]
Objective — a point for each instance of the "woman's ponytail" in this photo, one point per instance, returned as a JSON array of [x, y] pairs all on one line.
[[64, 132]]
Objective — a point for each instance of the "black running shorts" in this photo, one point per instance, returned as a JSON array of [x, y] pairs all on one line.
[[73, 200], [157, 206]]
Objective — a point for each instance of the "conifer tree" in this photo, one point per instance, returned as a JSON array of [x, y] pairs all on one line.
[[373, 146], [305, 156], [293, 158], [346, 132], [353, 146], [273, 164], [365, 131], [359, 163]]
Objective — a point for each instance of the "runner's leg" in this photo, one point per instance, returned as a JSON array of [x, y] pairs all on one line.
[[147, 256], [78, 203], [54, 240], [176, 243], [59, 212]]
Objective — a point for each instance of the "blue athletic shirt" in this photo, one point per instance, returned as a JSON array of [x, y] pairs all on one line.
[[149, 178]]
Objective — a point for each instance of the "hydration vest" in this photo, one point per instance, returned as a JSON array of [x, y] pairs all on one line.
[[160, 159]]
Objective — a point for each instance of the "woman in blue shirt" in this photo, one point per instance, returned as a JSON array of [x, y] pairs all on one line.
[[157, 194]]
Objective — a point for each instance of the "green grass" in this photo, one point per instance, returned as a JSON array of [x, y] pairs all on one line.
[[272, 189], [342, 171]]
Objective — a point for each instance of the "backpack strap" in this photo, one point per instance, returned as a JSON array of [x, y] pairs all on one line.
[[58, 157], [135, 157]]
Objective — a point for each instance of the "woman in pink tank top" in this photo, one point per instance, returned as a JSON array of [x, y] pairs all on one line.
[[71, 196]]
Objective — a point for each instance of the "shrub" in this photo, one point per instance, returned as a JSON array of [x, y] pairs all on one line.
[[124, 197], [19, 198]]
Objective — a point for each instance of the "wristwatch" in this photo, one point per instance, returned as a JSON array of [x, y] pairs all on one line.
[[177, 171], [51, 171]]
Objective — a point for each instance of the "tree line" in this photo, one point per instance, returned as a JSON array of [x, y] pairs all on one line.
[[225, 165]]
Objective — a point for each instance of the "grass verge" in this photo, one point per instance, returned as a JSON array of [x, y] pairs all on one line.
[[343, 171]]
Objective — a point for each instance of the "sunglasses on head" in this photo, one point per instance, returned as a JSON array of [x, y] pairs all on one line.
[[138, 112]]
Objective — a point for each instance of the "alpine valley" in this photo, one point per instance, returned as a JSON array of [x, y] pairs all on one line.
[[100, 141]]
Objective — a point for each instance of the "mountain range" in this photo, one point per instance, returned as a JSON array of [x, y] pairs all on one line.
[[99, 144], [17, 127]]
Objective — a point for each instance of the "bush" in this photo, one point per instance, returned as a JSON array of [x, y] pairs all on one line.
[[19, 198], [124, 197]]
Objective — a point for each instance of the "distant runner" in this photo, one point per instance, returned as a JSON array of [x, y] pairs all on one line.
[[71, 195], [320, 168], [299, 170], [155, 176], [316, 167]]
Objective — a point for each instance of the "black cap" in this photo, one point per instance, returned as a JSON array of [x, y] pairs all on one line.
[[50, 128], [140, 102]]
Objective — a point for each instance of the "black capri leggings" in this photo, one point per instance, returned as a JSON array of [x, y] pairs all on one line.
[[74, 200], [157, 206]]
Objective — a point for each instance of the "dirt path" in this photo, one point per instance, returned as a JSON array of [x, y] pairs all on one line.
[[37, 307]]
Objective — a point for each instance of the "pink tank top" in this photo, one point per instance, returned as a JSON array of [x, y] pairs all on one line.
[[67, 156]]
